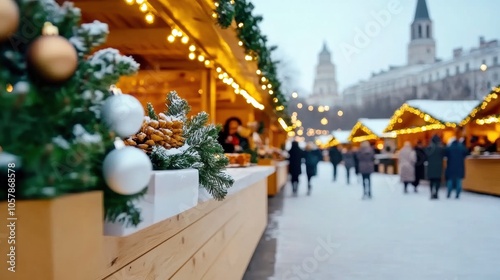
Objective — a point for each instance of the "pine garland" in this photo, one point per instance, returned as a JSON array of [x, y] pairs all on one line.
[[202, 150]]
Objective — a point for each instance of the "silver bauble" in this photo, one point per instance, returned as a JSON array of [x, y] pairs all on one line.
[[123, 114], [127, 170]]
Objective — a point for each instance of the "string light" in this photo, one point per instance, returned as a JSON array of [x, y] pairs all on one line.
[[192, 56], [295, 95], [130, 2], [248, 57], [207, 62], [139, 2], [10, 88], [324, 121], [263, 87], [171, 38], [263, 79], [299, 105], [218, 69], [214, 15], [321, 109], [310, 108], [258, 72], [185, 40], [271, 92], [486, 101], [240, 43], [144, 7], [240, 25], [340, 113], [327, 108], [269, 86], [201, 58], [150, 18], [192, 48]]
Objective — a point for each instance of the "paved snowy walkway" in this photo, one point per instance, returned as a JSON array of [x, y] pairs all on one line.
[[334, 234]]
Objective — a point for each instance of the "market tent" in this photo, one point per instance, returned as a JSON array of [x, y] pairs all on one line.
[[425, 115], [369, 129], [341, 136]]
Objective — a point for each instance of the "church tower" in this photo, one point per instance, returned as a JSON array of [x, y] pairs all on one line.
[[422, 47], [325, 81]]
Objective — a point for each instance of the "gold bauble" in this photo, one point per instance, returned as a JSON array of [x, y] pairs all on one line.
[[53, 58], [9, 18]]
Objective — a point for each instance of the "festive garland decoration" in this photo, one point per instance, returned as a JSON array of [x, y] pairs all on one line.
[[255, 44], [493, 95]]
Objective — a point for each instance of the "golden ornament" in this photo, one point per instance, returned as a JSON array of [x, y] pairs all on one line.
[[9, 18], [53, 57], [166, 132]]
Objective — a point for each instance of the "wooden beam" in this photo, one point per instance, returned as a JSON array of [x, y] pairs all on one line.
[[138, 36]]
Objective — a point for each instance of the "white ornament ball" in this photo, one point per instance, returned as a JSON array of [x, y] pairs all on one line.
[[127, 170], [123, 114]]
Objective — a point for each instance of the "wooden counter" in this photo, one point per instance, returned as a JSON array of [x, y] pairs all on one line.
[[277, 180], [482, 175]]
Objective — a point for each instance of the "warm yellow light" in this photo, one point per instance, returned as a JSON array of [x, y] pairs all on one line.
[[427, 118], [240, 43], [221, 76], [275, 100], [225, 80], [269, 86], [300, 132], [400, 121], [321, 109], [291, 134], [280, 108], [327, 108], [225, 75], [283, 123], [237, 90], [294, 114], [310, 108], [340, 113], [216, 4], [10, 88], [139, 2], [298, 123], [271, 92], [248, 57], [263, 79], [483, 67], [144, 7], [324, 121], [258, 72], [264, 87], [299, 105], [201, 58], [240, 25], [150, 18], [130, 2], [214, 15], [235, 85], [218, 69], [192, 48], [295, 95], [192, 56], [207, 62], [185, 40], [171, 38]]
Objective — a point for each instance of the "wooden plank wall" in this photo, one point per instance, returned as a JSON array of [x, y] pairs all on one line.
[[214, 240]]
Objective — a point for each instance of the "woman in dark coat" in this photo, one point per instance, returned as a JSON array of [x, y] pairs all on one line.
[[435, 153], [366, 158], [312, 158], [455, 166], [295, 155], [349, 161], [230, 139], [420, 164], [335, 159]]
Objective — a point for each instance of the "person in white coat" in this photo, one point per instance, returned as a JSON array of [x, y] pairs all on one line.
[[407, 160]]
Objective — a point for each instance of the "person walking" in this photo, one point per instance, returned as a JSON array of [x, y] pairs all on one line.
[[420, 164], [407, 160], [335, 159], [295, 155], [366, 159], [456, 152], [312, 157], [349, 161], [435, 153]]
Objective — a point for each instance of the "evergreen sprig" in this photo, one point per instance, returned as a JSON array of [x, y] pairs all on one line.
[[202, 150]]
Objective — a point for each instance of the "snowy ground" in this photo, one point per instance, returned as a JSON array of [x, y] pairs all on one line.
[[334, 234]]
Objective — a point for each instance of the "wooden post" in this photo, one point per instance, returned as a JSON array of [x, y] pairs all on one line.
[[209, 95]]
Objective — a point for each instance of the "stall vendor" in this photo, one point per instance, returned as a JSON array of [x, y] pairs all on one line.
[[230, 139]]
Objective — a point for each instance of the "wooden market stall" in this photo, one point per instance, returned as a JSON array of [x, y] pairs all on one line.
[[371, 130], [482, 169], [179, 47], [421, 119]]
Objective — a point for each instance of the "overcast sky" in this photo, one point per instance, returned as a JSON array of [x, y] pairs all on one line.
[[299, 28]]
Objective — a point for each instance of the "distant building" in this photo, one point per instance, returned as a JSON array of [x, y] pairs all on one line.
[[466, 75], [325, 89]]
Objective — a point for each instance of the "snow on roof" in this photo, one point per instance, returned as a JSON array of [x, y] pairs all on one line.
[[324, 138], [377, 126], [341, 135], [452, 111]]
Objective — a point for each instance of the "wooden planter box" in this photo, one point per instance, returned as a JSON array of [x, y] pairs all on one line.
[[169, 193], [56, 239]]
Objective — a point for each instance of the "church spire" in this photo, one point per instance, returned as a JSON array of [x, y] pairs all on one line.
[[422, 13], [325, 48]]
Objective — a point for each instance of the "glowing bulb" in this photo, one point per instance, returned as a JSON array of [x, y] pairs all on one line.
[[201, 58], [130, 2], [321, 109], [144, 7], [324, 121], [192, 56], [171, 38], [240, 43], [299, 105], [240, 25], [175, 32], [483, 67], [218, 69], [214, 15], [264, 87], [192, 48], [185, 40], [248, 57], [340, 113], [327, 108], [150, 18], [10, 88], [138, 1], [216, 4], [221, 76], [263, 79], [310, 108], [275, 100], [295, 95], [258, 72], [269, 86], [271, 92], [207, 62]]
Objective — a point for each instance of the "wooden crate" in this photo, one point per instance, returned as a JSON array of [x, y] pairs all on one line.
[[57, 239]]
